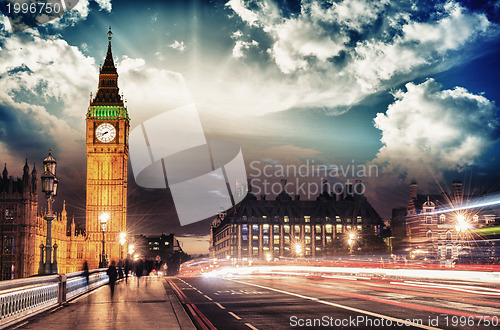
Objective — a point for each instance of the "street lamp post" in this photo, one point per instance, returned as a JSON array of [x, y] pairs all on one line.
[[49, 187], [104, 226]]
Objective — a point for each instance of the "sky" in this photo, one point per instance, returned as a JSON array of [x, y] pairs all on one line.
[[406, 87]]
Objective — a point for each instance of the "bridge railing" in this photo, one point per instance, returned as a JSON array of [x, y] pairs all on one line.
[[23, 298]]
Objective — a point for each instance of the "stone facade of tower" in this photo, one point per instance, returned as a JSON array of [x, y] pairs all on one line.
[[107, 132]]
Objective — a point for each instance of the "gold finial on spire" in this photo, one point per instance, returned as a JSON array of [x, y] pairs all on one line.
[[110, 33]]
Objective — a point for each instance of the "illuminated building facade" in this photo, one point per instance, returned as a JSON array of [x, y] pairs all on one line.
[[107, 132], [290, 227], [23, 229], [444, 227]]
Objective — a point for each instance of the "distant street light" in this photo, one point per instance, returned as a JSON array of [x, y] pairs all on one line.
[[298, 249], [351, 241], [122, 243], [104, 217], [49, 187]]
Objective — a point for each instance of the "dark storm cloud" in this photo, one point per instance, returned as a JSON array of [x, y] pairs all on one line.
[[21, 132]]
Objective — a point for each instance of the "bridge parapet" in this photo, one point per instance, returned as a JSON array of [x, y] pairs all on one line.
[[23, 298]]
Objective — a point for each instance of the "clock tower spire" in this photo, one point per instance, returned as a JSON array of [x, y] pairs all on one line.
[[107, 132]]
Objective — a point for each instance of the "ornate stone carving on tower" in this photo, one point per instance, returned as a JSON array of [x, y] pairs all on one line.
[[107, 156]]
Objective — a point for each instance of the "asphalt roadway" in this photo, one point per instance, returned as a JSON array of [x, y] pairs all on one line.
[[339, 302]]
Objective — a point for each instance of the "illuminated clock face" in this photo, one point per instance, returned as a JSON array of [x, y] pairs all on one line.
[[105, 132]]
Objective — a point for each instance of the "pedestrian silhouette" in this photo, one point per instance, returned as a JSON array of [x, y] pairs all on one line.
[[127, 269], [139, 268], [86, 272], [112, 274]]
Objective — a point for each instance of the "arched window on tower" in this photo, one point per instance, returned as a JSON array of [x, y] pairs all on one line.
[[429, 234], [442, 219], [448, 235]]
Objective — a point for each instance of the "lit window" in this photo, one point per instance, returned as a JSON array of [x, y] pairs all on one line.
[[338, 229], [286, 219], [428, 220], [276, 240], [337, 218], [308, 239], [297, 229], [308, 229], [286, 228], [318, 229], [359, 219], [307, 218], [329, 228], [287, 239]]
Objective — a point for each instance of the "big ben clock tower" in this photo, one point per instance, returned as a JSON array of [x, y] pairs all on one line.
[[107, 155]]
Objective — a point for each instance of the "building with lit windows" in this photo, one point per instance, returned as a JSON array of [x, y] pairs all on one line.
[[448, 226], [290, 227], [154, 247]]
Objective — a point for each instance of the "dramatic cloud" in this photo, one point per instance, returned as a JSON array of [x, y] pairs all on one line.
[[38, 74], [333, 55], [428, 130]]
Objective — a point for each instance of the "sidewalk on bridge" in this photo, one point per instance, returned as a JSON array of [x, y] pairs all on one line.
[[152, 305]]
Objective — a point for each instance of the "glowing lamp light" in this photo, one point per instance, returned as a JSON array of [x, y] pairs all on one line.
[[268, 257], [104, 217], [462, 224], [123, 238], [298, 248]]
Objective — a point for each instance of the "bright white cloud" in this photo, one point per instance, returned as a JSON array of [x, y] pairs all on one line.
[[104, 4], [428, 128], [241, 46], [180, 46]]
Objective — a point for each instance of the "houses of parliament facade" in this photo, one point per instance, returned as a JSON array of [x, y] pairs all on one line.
[[22, 227]]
